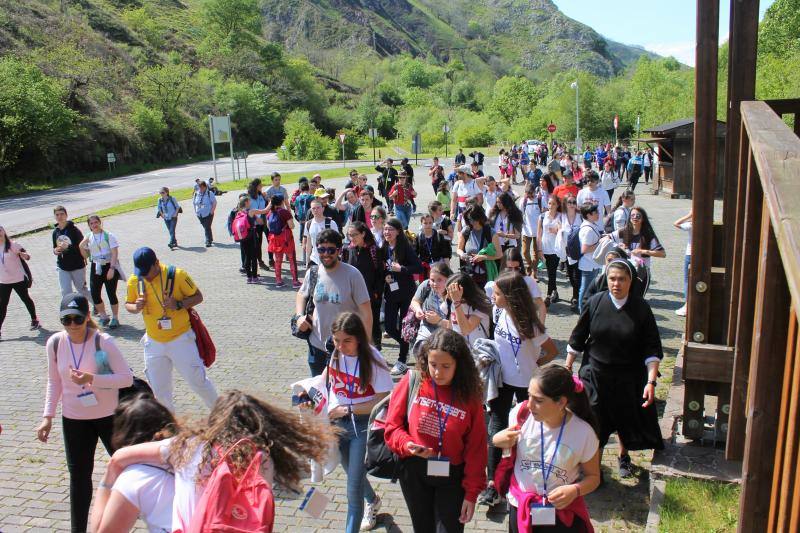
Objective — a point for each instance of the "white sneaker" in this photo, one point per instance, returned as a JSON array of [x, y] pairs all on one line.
[[370, 519], [681, 311], [399, 368]]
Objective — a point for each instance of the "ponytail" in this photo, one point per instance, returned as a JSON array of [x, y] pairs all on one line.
[[555, 381]]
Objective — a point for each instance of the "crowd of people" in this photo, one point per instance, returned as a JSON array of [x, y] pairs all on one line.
[[477, 412]]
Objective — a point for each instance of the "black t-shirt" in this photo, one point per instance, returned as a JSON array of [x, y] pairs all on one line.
[[71, 258]]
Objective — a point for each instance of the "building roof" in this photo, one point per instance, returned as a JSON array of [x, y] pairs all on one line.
[[674, 125]]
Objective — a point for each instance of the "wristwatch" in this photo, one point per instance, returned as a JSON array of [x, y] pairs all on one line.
[[653, 383], [178, 305]]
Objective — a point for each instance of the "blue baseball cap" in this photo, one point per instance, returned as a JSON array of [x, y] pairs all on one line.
[[143, 260]]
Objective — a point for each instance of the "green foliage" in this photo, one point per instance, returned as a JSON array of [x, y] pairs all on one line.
[[303, 140], [415, 73], [165, 87], [512, 97], [148, 121], [142, 22], [779, 32], [33, 116], [231, 17]]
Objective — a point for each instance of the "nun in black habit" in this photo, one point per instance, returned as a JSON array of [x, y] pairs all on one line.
[[620, 345]]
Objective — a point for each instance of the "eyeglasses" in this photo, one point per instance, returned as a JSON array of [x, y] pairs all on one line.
[[374, 217], [327, 250], [572, 202], [636, 216], [73, 319]]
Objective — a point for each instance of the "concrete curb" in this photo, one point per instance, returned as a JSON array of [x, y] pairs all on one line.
[[657, 489]]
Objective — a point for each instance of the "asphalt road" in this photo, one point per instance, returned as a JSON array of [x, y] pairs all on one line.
[[19, 214]]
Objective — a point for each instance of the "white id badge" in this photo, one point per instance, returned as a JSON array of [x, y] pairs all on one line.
[[439, 466], [314, 503], [87, 399], [394, 286], [165, 323], [543, 515]]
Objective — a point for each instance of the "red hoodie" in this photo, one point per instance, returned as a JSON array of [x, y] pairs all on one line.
[[464, 436]]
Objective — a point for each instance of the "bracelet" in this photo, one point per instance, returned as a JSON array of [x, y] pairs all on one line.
[[652, 382], [579, 489]]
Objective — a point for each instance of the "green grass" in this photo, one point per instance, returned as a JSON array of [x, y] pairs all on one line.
[[699, 506]]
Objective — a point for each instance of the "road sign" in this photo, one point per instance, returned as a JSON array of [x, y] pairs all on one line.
[[616, 122], [373, 133], [342, 137], [446, 129], [551, 128], [111, 157]]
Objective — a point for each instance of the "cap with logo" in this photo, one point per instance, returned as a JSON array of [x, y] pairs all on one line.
[[74, 304]]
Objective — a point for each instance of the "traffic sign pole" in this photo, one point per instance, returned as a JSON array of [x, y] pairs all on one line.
[[341, 139]]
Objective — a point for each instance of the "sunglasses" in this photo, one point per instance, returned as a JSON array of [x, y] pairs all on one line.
[[636, 216], [374, 217], [572, 203], [73, 319], [327, 250]]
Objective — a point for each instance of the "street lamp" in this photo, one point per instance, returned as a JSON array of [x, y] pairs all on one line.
[[577, 117]]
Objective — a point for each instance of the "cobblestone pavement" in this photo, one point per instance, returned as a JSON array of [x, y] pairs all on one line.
[[257, 354]]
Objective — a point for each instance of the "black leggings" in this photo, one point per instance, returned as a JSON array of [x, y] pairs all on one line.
[[248, 247], [577, 525], [377, 333], [259, 242], [5, 297], [434, 503], [574, 275], [551, 260], [97, 281], [80, 442], [498, 419], [393, 314]]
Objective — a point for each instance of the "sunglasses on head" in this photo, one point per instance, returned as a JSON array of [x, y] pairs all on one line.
[[72, 319], [327, 250]]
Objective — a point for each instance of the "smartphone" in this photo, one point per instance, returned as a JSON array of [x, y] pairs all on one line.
[[297, 399]]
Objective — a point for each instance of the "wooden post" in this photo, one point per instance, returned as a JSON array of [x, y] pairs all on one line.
[[741, 86], [748, 243], [766, 374]]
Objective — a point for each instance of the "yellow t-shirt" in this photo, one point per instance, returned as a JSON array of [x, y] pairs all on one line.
[[155, 295]]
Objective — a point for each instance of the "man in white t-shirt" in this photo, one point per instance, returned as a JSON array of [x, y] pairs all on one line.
[[590, 232], [594, 194]]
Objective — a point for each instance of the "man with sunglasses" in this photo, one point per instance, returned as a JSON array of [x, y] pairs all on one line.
[[169, 340], [334, 288]]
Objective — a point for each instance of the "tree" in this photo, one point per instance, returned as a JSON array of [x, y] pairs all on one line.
[[512, 97], [33, 116], [229, 17], [166, 88]]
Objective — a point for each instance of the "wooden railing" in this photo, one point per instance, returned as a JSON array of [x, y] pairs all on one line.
[[765, 386]]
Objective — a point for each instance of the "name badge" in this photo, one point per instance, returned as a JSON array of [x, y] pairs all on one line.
[[314, 503], [87, 399], [543, 515], [165, 323], [394, 286], [439, 466]]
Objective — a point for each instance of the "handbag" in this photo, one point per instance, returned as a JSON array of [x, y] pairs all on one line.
[[604, 245], [27, 270], [410, 326], [313, 272], [202, 338]]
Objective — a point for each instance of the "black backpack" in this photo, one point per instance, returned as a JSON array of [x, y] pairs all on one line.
[[380, 461], [574, 244]]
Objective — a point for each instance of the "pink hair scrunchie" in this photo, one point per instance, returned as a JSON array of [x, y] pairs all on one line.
[[578, 383]]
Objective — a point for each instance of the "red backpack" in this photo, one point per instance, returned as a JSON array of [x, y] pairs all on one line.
[[230, 505], [202, 338], [240, 226], [505, 468]]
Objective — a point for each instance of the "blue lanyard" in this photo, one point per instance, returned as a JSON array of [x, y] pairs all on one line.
[[350, 380], [429, 246], [546, 473], [78, 362], [515, 342], [442, 423]]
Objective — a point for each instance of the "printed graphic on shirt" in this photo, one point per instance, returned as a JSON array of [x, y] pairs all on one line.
[[341, 382], [429, 415], [530, 461], [324, 295]]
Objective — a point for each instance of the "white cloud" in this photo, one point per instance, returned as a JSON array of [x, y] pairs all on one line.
[[683, 51]]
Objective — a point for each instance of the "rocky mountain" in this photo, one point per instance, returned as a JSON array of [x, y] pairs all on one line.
[[498, 36]]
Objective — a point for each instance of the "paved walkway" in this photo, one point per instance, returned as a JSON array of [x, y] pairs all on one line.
[[257, 354]]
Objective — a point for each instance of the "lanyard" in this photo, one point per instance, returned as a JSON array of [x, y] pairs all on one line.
[[161, 290], [429, 246], [515, 342], [442, 423], [389, 258], [546, 473], [77, 362], [350, 384]]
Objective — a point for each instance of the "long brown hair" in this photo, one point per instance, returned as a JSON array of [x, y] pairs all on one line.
[[467, 386], [141, 419], [555, 382], [351, 324], [520, 305], [289, 441]]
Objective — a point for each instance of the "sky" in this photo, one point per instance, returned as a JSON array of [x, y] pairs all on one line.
[[666, 27]]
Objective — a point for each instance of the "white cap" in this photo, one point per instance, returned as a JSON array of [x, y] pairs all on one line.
[[465, 169]]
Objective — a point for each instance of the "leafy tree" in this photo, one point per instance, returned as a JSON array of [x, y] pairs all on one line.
[[33, 116], [779, 32], [512, 97], [166, 88], [302, 138], [231, 17], [148, 121]]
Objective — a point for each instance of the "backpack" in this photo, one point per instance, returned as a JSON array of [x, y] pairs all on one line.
[[301, 206], [231, 505], [505, 468], [240, 226], [574, 244], [380, 461], [410, 325], [313, 273], [202, 338], [274, 223]]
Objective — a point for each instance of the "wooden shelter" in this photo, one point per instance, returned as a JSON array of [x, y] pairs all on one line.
[[673, 145], [742, 337]]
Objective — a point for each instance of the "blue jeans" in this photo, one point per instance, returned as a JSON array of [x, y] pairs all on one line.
[[317, 359], [353, 448], [687, 261], [403, 214], [587, 277], [171, 224]]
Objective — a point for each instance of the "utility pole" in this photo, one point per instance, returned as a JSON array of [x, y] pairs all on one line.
[[577, 116]]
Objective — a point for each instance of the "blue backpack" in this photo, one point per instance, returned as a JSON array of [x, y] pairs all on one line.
[[274, 223]]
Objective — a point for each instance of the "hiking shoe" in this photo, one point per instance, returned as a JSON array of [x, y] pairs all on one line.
[[489, 496], [399, 368], [105, 322], [35, 324], [242, 270], [574, 305], [279, 284], [297, 284], [625, 466], [554, 297], [113, 324], [681, 311], [370, 514], [547, 302], [208, 245], [249, 280]]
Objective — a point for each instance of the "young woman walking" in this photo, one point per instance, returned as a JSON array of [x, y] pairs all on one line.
[[442, 440], [401, 265], [467, 308], [427, 303], [552, 432], [506, 220], [524, 346], [86, 381], [358, 378], [639, 239], [571, 220], [281, 240], [101, 248], [548, 227], [12, 277], [364, 254]]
